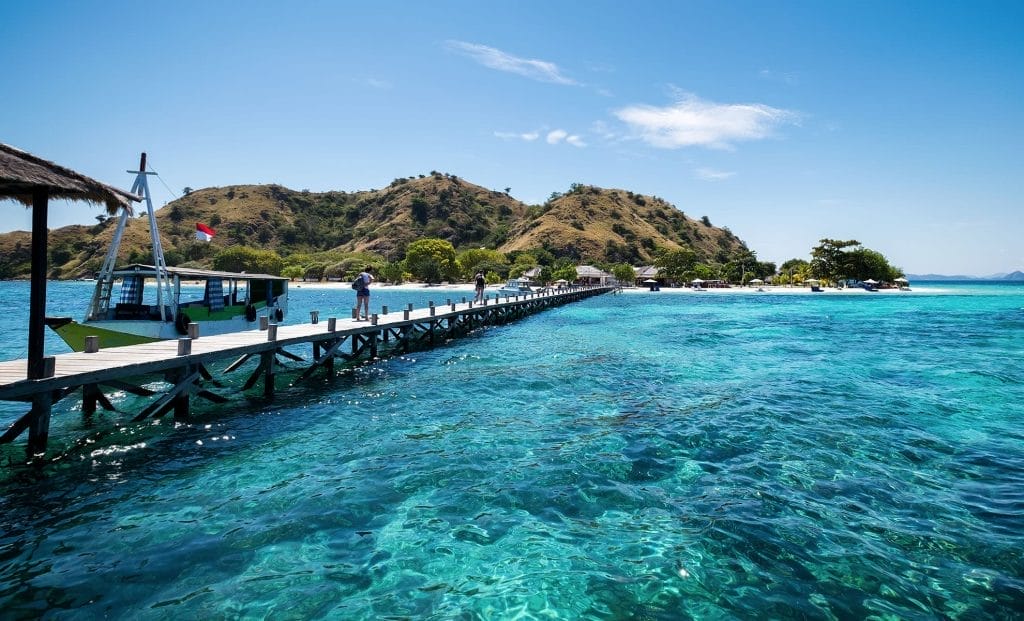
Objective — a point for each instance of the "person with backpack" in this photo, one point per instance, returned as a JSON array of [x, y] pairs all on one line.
[[481, 282], [362, 286]]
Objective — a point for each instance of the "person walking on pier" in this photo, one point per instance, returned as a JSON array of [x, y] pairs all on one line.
[[363, 293], [481, 282]]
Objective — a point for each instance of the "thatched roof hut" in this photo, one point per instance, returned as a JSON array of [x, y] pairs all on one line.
[[32, 181], [23, 174]]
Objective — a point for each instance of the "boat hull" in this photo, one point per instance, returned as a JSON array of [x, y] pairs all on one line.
[[125, 332]]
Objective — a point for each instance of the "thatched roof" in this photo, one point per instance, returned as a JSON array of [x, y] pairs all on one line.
[[22, 173]]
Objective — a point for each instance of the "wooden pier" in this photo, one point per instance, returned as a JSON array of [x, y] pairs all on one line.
[[184, 363]]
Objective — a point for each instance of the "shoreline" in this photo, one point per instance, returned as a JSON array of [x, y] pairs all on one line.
[[766, 290], [930, 288]]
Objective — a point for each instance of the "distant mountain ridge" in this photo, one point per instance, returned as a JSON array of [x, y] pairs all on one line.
[[1015, 276], [587, 224]]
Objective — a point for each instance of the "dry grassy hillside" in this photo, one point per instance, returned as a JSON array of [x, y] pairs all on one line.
[[587, 224], [593, 224]]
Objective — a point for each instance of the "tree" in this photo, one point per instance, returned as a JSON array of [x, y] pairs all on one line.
[[795, 270], [244, 259], [829, 259], [293, 271], [420, 209], [865, 263], [482, 259], [187, 191], [566, 271], [702, 271], [391, 272], [431, 260], [674, 264], [624, 273]]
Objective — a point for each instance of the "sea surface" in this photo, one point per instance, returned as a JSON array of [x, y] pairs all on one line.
[[636, 456]]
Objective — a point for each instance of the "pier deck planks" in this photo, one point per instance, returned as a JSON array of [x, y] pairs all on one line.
[[77, 368]]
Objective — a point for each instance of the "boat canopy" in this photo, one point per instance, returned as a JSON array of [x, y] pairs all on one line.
[[137, 269]]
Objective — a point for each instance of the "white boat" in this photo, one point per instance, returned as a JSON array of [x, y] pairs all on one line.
[[156, 302], [517, 286]]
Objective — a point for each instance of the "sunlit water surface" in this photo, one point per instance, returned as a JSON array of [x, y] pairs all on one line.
[[637, 456]]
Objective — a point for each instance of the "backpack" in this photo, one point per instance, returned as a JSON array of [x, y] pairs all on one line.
[[357, 284]]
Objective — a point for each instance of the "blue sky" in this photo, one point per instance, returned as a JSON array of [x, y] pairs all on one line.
[[899, 124]]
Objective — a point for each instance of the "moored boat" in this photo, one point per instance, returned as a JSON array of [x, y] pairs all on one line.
[[156, 302], [516, 286], [219, 302]]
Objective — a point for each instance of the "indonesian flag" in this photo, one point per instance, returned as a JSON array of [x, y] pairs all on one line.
[[203, 232]]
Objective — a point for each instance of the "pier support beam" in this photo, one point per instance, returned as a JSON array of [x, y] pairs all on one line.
[[39, 425]]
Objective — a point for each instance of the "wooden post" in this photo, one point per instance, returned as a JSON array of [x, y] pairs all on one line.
[[373, 319], [268, 373], [264, 322], [39, 427], [272, 332], [314, 316], [37, 293], [355, 313], [184, 346], [384, 310], [193, 330], [332, 324], [92, 344], [89, 400], [181, 401], [405, 313], [42, 403]]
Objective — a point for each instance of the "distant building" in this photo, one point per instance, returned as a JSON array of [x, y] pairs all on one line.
[[646, 272], [590, 275]]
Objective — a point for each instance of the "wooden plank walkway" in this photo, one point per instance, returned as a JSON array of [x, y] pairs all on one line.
[[401, 330]]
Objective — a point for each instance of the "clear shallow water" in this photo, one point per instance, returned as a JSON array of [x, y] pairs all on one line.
[[647, 456]]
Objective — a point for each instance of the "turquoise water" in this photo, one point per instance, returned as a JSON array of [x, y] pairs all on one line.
[[638, 456]]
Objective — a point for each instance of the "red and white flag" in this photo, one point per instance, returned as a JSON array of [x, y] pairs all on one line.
[[203, 232]]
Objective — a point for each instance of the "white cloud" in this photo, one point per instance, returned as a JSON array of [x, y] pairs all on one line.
[[710, 174], [695, 122], [377, 83], [556, 136], [527, 136], [540, 70]]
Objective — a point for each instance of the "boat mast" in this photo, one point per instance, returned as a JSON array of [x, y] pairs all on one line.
[[105, 281], [163, 285], [100, 303]]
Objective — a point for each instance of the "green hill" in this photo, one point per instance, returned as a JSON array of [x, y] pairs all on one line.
[[587, 224]]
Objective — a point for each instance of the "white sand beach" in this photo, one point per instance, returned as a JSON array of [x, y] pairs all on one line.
[[763, 290]]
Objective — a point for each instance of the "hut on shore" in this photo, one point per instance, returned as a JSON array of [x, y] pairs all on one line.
[[33, 181]]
